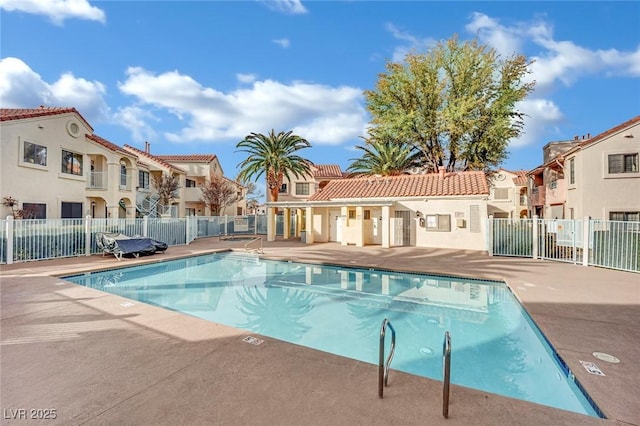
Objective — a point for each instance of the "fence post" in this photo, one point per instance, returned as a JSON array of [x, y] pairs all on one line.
[[186, 228], [87, 235], [9, 233], [535, 237], [490, 235], [226, 223], [145, 226], [586, 224]]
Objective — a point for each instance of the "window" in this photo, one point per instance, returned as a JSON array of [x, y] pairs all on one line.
[[190, 183], [302, 188], [438, 222], [143, 180], [623, 163], [239, 211], [352, 214], [501, 193], [35, 210], [367, 214], [625, 216], [123, 175], [71, 163], [35, 154], [572, 171], [189, 211], [71, 210], [283, 189]]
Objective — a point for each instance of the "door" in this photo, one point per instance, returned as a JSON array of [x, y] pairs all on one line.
[[335, 225], [402, 228]]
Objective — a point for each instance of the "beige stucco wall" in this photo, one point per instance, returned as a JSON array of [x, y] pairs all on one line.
[[460, 237], [360, 231], [596, 192], [31, 183], [510, 207]]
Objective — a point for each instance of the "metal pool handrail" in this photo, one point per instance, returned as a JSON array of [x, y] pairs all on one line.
[[383, 368], [446, 373], [258, 249]]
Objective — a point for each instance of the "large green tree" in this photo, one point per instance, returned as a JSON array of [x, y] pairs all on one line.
[[384, 157], [273, 155], [457, 104]]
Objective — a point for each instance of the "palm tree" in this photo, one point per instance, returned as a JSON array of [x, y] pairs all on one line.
[[274, 155], [384, 157]]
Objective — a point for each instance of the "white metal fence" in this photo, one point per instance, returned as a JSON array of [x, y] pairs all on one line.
[[605, 243], [39, 239]]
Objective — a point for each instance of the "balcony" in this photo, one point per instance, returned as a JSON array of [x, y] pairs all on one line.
[[538, 196], [192, 195], [97, 180], [556, 192]]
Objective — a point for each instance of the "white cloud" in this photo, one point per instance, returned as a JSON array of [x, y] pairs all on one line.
[[56, 10], [21, 87], [322, 114], [554, 61], [137, 119], [542, 117], [506, 41], [283, 42], [412, 43], [291, 7], [246, 78]]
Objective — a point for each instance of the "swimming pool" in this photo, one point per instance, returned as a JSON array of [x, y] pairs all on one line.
[[496, 346]]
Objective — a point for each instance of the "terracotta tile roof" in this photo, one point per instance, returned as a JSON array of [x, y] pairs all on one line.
[[521, 176], [326, 171], [196, 158], [8, 114], [153, 158], [451, 184], [109, 145]]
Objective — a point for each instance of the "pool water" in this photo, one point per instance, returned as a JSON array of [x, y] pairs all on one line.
[[495, 345]]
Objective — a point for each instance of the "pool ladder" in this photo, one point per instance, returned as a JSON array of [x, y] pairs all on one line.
[[383, 367]]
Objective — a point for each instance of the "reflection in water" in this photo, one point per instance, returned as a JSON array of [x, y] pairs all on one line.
[[275, 311]]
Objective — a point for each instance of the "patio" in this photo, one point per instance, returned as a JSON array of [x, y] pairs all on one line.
[[96, 359]]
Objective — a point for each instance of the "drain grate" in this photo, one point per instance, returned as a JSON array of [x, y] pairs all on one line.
[[253, 340], [606, 357], [592, 368]]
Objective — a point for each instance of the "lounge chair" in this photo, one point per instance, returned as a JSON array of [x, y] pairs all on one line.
[[120, 245]]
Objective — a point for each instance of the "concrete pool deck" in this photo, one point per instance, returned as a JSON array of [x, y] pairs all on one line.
[[97, 358]]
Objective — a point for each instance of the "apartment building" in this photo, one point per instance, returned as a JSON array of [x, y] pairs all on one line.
[[199, 168], [508, 196], [595, 177], [54, 166], [305, 187]]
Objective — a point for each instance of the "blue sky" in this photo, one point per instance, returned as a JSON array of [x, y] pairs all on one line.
[[196, 77]]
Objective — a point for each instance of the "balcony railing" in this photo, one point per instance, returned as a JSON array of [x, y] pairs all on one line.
[[97, 180], [538, 196], [193, 195], [556, 192]]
